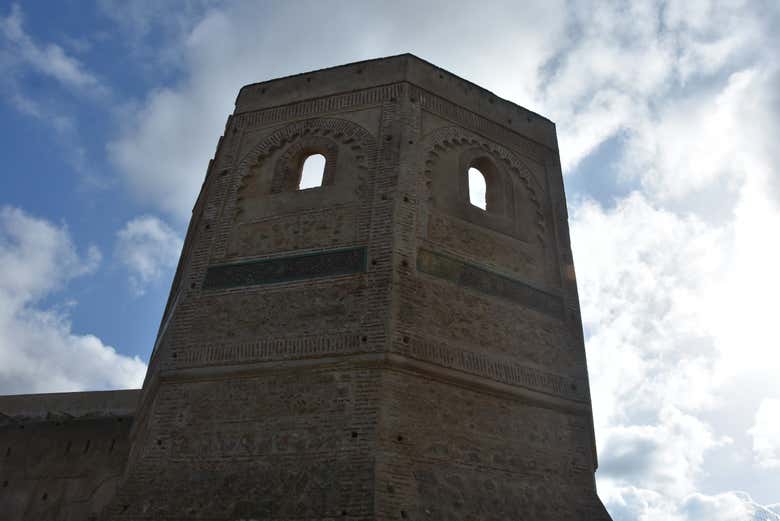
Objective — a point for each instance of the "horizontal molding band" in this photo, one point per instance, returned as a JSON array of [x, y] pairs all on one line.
[[490, 283], [378, 361], [286, 269]]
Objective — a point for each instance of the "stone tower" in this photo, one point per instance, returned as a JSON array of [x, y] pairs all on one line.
[[375, 347]]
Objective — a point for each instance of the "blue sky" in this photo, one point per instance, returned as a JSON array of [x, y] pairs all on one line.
[[668, 116]]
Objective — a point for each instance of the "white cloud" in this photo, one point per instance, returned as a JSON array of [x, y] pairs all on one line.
[[638, 504], [49, 60], [672, 359], [664, 456], [148, 248], [39, 352], [723, 507], [627, 59], [766, 433], [710, 137]]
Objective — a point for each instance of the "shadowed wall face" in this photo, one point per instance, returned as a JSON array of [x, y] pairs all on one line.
[[62, 456]]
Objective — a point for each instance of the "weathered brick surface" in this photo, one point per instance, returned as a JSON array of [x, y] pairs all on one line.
[[62, 455], [434, 371]]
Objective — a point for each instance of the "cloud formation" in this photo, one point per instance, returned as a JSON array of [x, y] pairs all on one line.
[[766, 433], [49, 60], [148, 248], [39, 352]]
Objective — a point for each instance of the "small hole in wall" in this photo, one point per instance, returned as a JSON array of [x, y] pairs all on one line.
[[312, 171], [411, 142], [354, 434], [45, 496], [406, 340], [405, 263], [388, 138], [400, 438], [125, 507], [208, 226], [364, 339], [192, 286], [5, 483], [159, 442], [175, 355], [343, 512], [406, 199], [7, 452], [373, 262], [391, 489], [111, 448], [86, 447], [403, 514]]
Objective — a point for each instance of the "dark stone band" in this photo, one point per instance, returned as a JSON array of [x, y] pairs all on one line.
[[484, 281], [286, 269]]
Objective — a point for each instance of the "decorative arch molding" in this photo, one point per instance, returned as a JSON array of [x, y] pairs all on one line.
[[329, 135], [287, 172], [456, 140], [342, 131]]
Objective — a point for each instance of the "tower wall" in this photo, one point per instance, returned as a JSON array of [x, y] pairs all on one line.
[[374, 348]]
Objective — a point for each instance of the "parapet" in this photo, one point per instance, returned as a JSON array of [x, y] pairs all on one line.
[[94, 404], [402, 68]]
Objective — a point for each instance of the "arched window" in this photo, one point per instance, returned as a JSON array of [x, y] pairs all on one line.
[[312, 171], [477, 188]]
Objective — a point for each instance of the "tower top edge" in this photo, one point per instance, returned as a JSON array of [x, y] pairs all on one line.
[[401, 68]]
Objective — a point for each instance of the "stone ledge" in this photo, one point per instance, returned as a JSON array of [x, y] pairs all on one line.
[[92, 404]]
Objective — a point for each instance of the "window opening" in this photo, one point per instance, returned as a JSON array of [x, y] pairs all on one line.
[[312, 172], [477, 188]]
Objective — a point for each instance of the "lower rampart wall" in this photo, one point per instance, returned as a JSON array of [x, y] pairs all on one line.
[[62, 455]]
